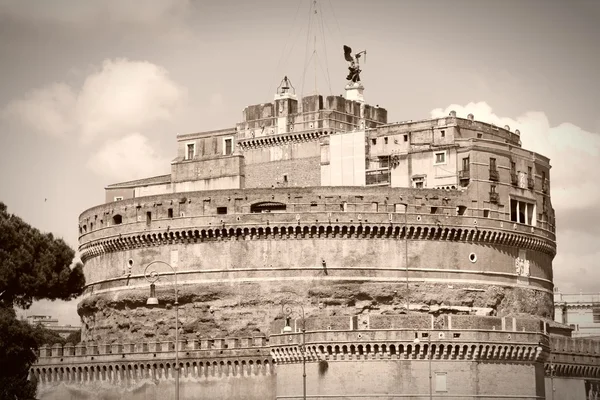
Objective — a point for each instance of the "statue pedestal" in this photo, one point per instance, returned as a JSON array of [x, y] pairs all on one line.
[[354, 92]]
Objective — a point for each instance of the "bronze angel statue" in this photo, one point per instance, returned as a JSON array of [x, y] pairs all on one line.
[[353, 65]]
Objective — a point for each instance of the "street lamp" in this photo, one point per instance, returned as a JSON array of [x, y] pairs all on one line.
[[152, 276], [287, 312], [429, 356]]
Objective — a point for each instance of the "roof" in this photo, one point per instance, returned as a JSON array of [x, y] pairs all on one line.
[[155, 180]]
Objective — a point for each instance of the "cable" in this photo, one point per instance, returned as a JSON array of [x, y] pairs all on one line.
[[281, 58], [325, 49]]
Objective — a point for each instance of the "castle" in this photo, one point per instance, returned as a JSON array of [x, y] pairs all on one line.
[[416, 257]]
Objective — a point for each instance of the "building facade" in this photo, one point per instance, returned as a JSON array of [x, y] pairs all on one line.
[[417, 256], [52, 324], [580, 311]]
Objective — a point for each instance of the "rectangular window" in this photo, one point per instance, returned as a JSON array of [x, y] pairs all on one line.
[[170, 213], [465, 164], [385, 140], [221, 210], [492, 188], [373, 142], [596, 315], [443, 132], [285, 178], [486, 213], [406, 138], [440, 158], [530, 172], [191, 150], [513, 167], [479, 135], [148, 217], [227, 146], [419, 185], [440, 382], [492, 163], [118, 198]]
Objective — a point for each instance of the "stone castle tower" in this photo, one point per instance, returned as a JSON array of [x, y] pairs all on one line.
[[416, 257]]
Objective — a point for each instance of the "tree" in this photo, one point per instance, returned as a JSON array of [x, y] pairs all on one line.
[[33, 266]]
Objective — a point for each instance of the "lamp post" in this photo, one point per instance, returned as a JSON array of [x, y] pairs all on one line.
[[152, 276], [429, 356], [287, 310], [406, 253]]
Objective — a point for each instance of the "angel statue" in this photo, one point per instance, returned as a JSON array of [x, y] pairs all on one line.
[[353, 66]]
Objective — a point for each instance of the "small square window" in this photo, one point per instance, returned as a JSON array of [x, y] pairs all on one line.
[[221, 210], [479, 135]]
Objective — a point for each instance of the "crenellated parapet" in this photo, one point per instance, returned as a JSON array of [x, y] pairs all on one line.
[[416, 337], [129, 363], [574, 357]]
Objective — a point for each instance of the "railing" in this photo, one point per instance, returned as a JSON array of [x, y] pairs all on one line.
[[513, 179], [494, 175], [545, 186], [464, 174], [494, 197], [378, 177], [530, 183]]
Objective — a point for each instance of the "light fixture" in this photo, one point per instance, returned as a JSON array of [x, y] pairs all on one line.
[[152, 300], [287, 328]]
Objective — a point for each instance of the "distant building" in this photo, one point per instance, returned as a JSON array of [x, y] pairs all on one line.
[[52, 324], [580, 311]]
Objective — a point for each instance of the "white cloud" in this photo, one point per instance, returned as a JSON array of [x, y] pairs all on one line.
[[48, 109], [119, 98], [574, 155], [130, 157], [126, 96]]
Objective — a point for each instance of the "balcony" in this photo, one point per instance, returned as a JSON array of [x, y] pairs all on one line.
[[513, 179], [378, 177], [530, 183], [494, 175], [545, 186], [464, 175], [494, 197]]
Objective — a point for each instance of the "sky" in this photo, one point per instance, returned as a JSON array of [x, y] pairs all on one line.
[[93, 93]]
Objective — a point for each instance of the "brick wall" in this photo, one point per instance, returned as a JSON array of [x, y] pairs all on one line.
[[300, 172]]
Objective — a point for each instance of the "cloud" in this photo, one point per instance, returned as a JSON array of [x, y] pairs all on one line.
[[130, 157], [574, 155], [45, 110], [118, 98]]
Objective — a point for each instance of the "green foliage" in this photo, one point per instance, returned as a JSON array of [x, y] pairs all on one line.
[[46, 336], [17, 352], [35, 265]]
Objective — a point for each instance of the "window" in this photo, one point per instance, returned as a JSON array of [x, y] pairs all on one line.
[[373, 142], [221, 210], [385, 140], [479, 135], [227, 146], [148, 217], [522, 212], [513, 167], [465, 164], [492, 188], [170, 213], [406, 138], [596, 315], [440, 157], [117, 219], [118, 198], [486, 213], [492, 163], [285, 178], [529, 172], [443, 132], [418, 182], [191, 151]]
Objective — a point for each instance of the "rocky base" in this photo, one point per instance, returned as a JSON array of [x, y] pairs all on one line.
[[248, 309]]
